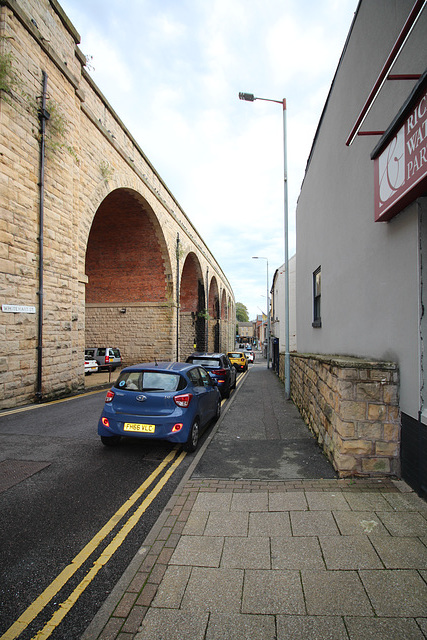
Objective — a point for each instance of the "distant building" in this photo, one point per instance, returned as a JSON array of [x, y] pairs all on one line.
[[246, 332], [278, 311]]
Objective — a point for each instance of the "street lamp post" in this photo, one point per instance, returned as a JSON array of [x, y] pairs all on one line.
[[249, 97], [268, 311]]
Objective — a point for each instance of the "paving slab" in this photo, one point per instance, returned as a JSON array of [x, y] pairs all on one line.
[[313, 523], [401, 552], [296, 553], [171, 590], [253, 502], [273, 592], [287, 501], [163, 623], [383, 629], [241, 627], [358, 522], [326, 501], [334, 593], [227, 524], [246, 553], [203, 551], [311, 628], [269, 524], [215, 590], [349, 552], [404, 524], [396, 592]]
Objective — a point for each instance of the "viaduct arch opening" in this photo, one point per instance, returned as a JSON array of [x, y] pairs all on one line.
[[129, 286], [193, 305]]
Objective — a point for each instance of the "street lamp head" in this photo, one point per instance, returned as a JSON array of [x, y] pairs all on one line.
[[249, 97]]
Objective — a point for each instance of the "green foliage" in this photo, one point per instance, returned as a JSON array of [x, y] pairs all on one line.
[[8, 78], [56, 125], [242, 314], [204, 314], [107, 171]]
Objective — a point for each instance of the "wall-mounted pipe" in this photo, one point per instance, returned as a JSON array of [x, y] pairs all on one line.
[[177, 297], [43, 117]]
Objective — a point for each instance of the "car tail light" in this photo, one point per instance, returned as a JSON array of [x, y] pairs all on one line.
[[220, 372], [110, 395], [183, 400], [177, 427], [105, 422]]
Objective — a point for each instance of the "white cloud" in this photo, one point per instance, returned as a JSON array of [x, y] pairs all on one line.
[[173, 70]]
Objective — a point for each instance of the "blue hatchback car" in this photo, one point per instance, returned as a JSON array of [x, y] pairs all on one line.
[[170, 401]]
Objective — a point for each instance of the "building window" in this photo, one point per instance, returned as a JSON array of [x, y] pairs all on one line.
[[317, 291]]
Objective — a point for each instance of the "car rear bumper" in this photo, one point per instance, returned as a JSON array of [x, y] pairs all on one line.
[[163, 427]]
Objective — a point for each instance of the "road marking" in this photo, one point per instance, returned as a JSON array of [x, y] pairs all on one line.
[[44, 598], [9, 412], [105, 556]]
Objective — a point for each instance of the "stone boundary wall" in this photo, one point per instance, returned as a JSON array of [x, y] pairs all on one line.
[[352, 407]]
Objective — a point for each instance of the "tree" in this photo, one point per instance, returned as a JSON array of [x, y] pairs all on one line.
[[241, 312]]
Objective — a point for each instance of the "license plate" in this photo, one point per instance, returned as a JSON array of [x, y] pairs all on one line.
[[142, 428]]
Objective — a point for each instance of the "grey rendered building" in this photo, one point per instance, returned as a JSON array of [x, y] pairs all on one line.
[[362, 248]]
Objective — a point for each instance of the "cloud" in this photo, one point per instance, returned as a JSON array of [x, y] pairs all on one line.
[[173, 70]]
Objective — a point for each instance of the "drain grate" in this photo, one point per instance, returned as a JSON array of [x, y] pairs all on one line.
[[14, 471]]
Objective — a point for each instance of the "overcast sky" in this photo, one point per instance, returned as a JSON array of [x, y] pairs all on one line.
[[173, 69]]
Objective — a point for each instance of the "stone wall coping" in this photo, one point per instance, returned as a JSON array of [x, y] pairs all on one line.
[[348, 361]]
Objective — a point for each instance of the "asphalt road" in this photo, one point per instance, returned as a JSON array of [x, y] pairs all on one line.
[[76, 486], [49, 517]]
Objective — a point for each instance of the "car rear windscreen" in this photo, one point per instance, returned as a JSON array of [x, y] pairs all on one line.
[[207, 362], [150, 381]]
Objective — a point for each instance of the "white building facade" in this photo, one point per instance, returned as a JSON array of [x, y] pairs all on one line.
[[362, 250], [278, 311]]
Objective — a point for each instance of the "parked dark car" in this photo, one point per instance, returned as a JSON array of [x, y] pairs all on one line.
[[170, 401], [106, 357], [219, 367]]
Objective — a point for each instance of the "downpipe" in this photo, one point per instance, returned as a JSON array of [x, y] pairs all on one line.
[[43, 117]]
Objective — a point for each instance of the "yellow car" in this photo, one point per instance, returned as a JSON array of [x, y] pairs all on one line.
[[238, 360]]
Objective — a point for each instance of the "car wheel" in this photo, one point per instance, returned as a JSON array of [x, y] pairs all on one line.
[[110, 441], [193, 438]]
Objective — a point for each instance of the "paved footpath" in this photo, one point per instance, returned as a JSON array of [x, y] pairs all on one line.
[[301, 559]]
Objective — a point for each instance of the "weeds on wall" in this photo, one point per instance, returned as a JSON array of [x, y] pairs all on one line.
[[57, 123], [9, 81], [106, 170]]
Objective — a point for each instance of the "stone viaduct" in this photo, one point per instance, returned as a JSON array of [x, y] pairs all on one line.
[[94, 248]]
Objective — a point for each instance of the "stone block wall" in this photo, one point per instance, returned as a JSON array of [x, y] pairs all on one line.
[[187, 334], [95, 158], [144, 332], [352, 407]]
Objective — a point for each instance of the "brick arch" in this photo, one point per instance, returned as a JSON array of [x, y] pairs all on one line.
[[192, 306], [125, 260], [190, 278], [129, 284], [224, 308], [214, 313]]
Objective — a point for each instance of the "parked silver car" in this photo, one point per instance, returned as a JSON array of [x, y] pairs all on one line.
[[106, 357]]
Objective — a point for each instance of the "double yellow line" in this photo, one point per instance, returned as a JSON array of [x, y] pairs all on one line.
[[40, 603]]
